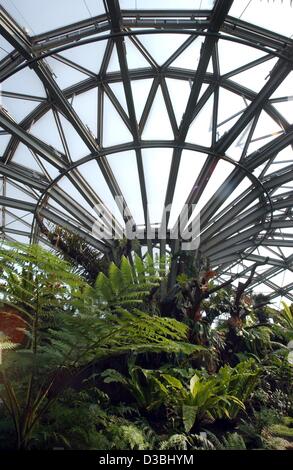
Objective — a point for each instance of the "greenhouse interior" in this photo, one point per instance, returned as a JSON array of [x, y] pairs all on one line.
[[146, 258]]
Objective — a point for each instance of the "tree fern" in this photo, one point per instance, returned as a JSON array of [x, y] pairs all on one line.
[[127, 286], [69, 324]]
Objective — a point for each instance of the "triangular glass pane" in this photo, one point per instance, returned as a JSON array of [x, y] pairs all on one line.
[[25, 81], [74, 194], [229, 105], [190, 166], [93, 175], [161, 4], [4, 139], [86, 106], [285, 155], [169, 43], [114, 129], [38, 17], [45, 129], [134, 58], [77, 147], [158, 125], [24, 157], [51, 171], [189, 58], [179, 91], [156, 165], [65, 75], [286, 109], [124, 167], [233, 55], [57, 208], [25, 216], [140, 91], [266, 130], [15, 224], [200, 131], [219, 175], [262, 289], [113, 65], [269, 15], [17, 108], [255, 78], [17, 193], [118, 91], [89, 56]]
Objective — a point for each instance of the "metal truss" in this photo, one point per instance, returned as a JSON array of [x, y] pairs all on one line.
[[253, 227]]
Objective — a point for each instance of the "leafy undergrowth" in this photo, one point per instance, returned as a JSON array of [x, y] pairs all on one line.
[[125, 363]]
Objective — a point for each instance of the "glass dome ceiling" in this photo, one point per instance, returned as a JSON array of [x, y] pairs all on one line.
[[153, 102]]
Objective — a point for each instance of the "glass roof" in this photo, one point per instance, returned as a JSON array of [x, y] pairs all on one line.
[[148, 104]]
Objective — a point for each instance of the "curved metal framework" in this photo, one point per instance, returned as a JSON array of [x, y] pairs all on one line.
[[245, 219]]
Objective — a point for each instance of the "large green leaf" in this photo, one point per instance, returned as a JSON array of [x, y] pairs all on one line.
[[189, 414]]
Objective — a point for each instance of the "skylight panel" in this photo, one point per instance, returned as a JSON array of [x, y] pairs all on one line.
[[89, 56], [125, 170], [274, 15], [65, 75], [179, 91], [4, 140], [256, 77], [25, 81], [134, 57], [114, 130], [18, 108], [86, 106], [169, 43], [113, 65], [265, 130], [77, 147], [118, 89], [190, 166], [39, 16], [286, 109], [233, 55], [169, 4], [16, 192], [158, 124], [45, 129], [200, 131], [93, 175], [140, 92], [24, 157], [189, 58], [156, 164], [75, 195]]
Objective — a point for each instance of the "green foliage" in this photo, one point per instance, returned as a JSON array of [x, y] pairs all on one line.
[[219, 396], [129, 285], [286, 317], [69, 324], [149, 388], [175, 392], [281, 430]]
